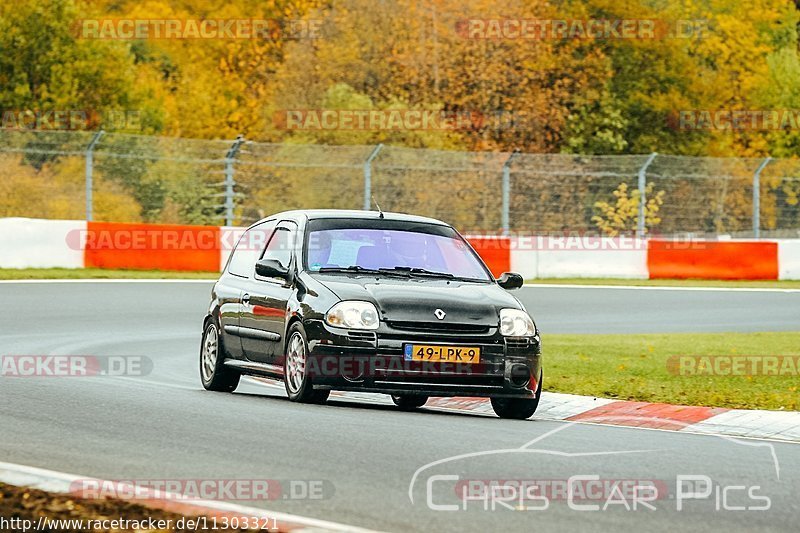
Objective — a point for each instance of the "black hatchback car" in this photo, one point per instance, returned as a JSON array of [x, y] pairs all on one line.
[[373, 302]]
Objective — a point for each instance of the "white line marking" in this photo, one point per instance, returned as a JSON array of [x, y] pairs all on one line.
[[656, 288], [60, 482], [150, 382]]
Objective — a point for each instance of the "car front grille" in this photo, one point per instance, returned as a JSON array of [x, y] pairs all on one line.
[[439, 327], [391, 341]]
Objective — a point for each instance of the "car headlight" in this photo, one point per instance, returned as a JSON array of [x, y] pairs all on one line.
[[516, 323], [353, 314]]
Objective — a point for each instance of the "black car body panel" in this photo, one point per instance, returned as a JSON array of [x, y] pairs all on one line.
[[256, 313]]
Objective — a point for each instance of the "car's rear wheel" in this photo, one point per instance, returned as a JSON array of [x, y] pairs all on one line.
[[296, 376], [518, 408], [213, 373], [409, 402]]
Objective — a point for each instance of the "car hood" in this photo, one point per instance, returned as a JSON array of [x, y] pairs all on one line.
[[416, 299]]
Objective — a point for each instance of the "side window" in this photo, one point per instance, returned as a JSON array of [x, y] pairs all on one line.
[[281, 245], [248, 249]]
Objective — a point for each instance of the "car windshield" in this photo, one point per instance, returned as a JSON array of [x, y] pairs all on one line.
[[412, 251]]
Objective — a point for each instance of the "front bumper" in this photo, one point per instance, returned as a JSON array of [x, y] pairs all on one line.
[[341, 359]]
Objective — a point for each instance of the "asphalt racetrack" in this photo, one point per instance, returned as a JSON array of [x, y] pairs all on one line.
[[378, 467]]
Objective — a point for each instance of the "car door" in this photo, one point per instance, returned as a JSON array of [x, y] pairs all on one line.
[[238, 274], [263, 323]]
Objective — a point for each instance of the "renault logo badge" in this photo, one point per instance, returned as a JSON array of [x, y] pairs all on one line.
[[440, 314]]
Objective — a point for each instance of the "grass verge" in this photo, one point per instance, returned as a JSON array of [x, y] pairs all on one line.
[[752, 284], [98, 273], [635, 367]]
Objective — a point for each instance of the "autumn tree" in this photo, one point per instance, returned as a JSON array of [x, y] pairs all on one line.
[[621, 215]]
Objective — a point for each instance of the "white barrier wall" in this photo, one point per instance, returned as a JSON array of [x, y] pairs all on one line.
[[595, 257], [525, 263], [788, 259], [35, 243]]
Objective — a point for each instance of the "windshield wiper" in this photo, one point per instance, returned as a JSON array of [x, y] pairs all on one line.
[[419, 271], [402, 271], [351, 268], [356, 269]]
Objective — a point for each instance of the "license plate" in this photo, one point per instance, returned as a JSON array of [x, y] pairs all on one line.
[[449, 354]]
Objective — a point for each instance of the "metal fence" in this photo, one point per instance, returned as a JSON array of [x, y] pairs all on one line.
[[130, 178]]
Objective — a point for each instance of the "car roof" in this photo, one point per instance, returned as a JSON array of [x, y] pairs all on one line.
[[311, 214]]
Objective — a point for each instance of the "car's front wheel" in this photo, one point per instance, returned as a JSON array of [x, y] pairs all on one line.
[[213, 373], [517, 408], [296, 375], [409, 402]]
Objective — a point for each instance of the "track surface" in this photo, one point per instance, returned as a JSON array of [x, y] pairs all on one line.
[[164, 426]]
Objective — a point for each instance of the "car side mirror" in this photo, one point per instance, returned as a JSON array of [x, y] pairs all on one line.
[[510, 280], [271, 268]]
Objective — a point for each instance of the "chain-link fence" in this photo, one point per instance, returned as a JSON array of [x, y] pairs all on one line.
[[130, 178]]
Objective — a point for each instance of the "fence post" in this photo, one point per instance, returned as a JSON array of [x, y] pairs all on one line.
[[505, 215], [90, 174], [757, 198], [230, 157], [640, 226], [368, 177]]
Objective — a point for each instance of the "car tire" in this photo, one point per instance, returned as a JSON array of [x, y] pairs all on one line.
[[409, 402], [214, 375], [517, 408], [298, 383]]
